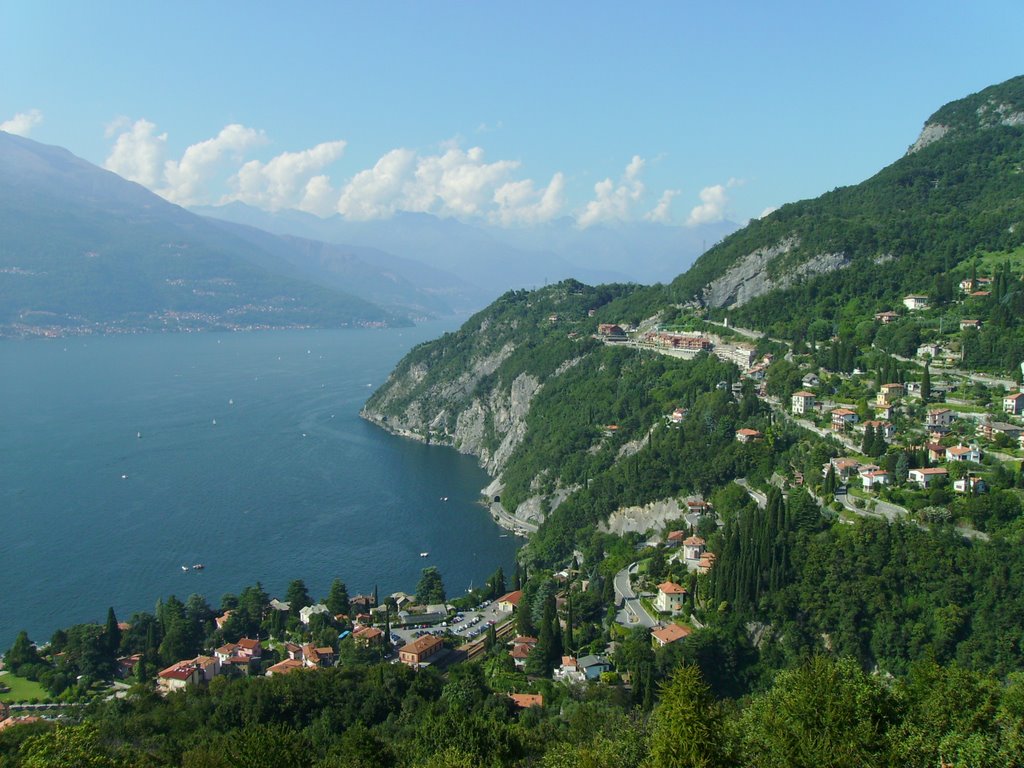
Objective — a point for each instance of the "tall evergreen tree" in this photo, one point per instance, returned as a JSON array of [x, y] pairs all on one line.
[[112, 633], [337, 598], [926, 385], [869, 439]]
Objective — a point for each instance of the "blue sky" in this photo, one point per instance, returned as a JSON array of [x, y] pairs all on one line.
[[512, 113]]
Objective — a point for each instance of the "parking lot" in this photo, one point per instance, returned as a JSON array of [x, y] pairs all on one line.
[[465, 624]]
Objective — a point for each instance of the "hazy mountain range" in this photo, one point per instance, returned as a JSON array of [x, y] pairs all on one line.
[[85, 250]]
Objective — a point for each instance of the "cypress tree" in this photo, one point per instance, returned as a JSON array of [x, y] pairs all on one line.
[[569, 644], [112, 633], [869, 439], [926, 385]]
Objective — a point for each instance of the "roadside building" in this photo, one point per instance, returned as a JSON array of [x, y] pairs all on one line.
[[927, 476], [421, 651], [671, 633], [509, 602], [670, 597], [802, 402]]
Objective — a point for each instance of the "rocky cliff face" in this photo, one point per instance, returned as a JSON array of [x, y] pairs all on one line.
[[449, 413], [752, 275]]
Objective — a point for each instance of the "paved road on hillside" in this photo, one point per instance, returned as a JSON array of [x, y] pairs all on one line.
[[632, 613]]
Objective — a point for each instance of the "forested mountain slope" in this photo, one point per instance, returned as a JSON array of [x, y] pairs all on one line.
[[567, 423], [83, 250], [957, 192]]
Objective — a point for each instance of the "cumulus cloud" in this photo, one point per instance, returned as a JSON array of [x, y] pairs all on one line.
[[660, 213], [187, 179], [614, 202], [520, 203], [288, 180], [712, 206], [456, 182], [138, 153], [22, 123], [377, 192]]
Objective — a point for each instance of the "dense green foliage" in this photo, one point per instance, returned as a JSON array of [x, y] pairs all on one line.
[[823, 712], [920, 217]]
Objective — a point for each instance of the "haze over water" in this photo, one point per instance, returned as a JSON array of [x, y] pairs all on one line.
[[252, 460]]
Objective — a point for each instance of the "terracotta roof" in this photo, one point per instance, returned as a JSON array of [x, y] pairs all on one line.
[[512, 597], [527, 700], [248, 643], [803, 393], [843, 412], [673, 535], [282, 667], [931, 471], [670, 588], [524, 640], [183, 670], [423, 644], [694, 541], [568, 661], [520, 651], [748, 432], [671, 633]]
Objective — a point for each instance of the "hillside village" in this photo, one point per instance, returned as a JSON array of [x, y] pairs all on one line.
[[906, 438], [963, 425]]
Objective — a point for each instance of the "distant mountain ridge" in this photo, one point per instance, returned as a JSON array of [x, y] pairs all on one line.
[[495, 259], [83, 250]]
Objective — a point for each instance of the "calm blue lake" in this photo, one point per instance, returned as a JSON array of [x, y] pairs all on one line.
[[124, 458]]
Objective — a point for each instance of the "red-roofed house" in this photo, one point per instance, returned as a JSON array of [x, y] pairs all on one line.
[[284, 667], [510, 602], [669, 634], [926, 476], [670, 597], [179, 676], [746, 435], [875, 478], [963, 453], [675, 538], [693, 548], [368, 635], [421, 651], [707, 562], [843, 418], [1014, 404]]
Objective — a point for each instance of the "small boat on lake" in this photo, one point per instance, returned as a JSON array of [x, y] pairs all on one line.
[[424, 554], [184, 568], [198, 567]]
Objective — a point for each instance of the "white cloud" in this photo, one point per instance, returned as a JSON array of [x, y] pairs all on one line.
[[519, 203], [22, 123], [187, 179], [611, 202], [768, 211], [376, 192], [712, 207], [455, 183], [319, 196], [138, 154], [660, 213], [284, 181]]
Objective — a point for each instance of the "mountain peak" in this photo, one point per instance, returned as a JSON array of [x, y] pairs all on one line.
[[1001, 104]]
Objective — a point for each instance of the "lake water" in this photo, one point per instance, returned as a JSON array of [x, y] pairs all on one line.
[[124, 458]]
